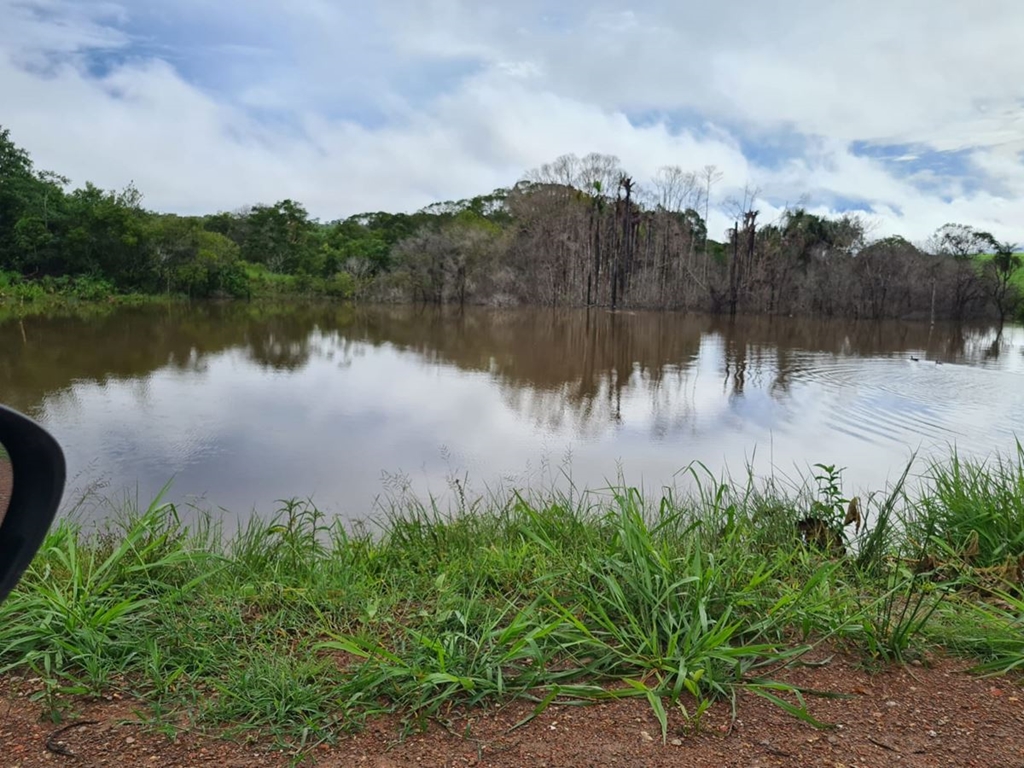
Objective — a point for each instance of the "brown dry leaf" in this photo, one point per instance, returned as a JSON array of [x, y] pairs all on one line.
[[971, 549], [853, 514]]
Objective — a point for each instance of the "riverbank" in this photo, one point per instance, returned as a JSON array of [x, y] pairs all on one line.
[[296, 631], [15, 305], [27, 296], [21, 297]]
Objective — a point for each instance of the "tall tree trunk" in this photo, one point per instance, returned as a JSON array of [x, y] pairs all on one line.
[[734, 270]]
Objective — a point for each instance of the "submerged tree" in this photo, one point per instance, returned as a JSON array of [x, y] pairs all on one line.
[[579, 231], [962, 245], [1001, 270]]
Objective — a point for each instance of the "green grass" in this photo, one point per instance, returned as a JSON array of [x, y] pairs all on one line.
[[297, 627]]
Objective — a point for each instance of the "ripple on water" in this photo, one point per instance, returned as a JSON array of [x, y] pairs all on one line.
[[899, 400]]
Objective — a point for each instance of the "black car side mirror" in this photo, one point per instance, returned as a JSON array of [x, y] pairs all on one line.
[[32, 474]]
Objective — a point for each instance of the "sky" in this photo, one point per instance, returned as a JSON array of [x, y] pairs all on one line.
[[910, 114]]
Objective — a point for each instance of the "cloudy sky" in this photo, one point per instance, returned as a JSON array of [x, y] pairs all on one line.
[[906, 110]]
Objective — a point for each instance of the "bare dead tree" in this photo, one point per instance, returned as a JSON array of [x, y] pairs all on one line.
[[599, 171], [710, 175], [584, 232], [674, 189]]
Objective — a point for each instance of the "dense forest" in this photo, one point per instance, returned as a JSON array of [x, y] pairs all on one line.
[[575, 232]]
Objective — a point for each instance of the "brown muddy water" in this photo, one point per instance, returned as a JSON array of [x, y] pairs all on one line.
[[244, 404]]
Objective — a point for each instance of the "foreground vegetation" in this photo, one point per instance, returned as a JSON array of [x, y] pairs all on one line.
[[576, 232], [297, 627]]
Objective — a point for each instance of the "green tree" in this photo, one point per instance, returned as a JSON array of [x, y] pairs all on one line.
[[357, 248], [107, 235], [282, 237], [214, 270], [1000, 271], [392, 227], [31, 210], [195, 261], [234, 226], [963, 245], [175, 242], [16, 181]]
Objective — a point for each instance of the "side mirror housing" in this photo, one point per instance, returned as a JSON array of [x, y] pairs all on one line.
[[32, 476]]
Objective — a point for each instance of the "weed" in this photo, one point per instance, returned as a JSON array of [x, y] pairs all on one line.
[[295, 624]]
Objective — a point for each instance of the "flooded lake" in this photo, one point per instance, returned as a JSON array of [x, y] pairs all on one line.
[[244, 404]]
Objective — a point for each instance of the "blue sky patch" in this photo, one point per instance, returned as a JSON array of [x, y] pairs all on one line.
[[771, 150], [239, 57], [767, 149], [844, 204], [927, 169]]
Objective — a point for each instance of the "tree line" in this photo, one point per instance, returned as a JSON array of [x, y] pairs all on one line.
[[579, 231]]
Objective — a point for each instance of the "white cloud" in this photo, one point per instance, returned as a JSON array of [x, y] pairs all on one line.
[[349, 107], [31, 29], [866, 70]]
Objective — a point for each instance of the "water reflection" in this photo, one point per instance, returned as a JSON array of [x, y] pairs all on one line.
[[248, 403]]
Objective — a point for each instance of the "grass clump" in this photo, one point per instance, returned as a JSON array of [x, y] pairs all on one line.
[[297, 626], [973, 514]]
